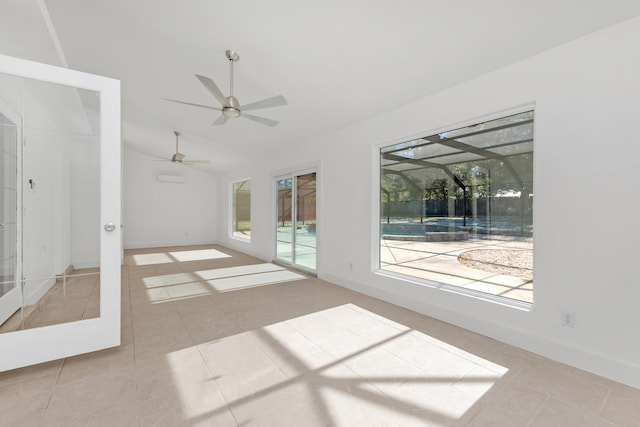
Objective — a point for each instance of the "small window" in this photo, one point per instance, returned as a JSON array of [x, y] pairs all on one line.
[[456, 208], [241, 210]]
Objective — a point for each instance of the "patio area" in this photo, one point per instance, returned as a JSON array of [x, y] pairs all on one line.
[[439, 262]]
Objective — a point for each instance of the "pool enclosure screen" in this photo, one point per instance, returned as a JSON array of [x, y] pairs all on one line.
[[456, 208]]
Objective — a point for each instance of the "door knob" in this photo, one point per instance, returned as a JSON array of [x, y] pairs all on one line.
[[109, 226]]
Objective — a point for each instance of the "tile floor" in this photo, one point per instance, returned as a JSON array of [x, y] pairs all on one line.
[[204, 345], [75, 298]]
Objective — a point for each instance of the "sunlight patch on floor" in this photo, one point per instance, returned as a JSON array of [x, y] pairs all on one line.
[[198, 255], [176, 286], [252, 280], [176, 292], [346, 364], [169, 279], [150, 259], [219, 273]]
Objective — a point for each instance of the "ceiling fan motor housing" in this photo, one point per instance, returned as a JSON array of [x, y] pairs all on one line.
[[177, 157], [231, 110]]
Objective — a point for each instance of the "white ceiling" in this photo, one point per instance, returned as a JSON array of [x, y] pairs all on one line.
[[337, 62]]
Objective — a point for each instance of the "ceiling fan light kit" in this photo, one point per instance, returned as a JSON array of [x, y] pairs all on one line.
[[230, 106]]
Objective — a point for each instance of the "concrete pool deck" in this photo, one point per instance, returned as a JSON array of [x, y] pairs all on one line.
[[438, 262]]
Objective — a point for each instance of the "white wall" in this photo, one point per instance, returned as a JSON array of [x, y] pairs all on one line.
[[166, 214], [587, 104]]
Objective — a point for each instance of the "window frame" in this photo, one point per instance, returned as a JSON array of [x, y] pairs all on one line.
[[232, 211], [376, 232]]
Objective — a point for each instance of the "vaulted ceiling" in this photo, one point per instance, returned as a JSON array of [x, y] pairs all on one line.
[[337, 62]]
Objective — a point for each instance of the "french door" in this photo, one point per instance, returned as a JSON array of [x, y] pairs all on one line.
[[60, 252], [296, 206]]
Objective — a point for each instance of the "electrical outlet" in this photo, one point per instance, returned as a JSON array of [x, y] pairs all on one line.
[[568, 319]]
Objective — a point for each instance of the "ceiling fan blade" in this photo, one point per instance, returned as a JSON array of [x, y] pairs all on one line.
[[261, 120], [196, 161], [193, 104], [221, 120], [211, 87], [162, 160], [276, 101]]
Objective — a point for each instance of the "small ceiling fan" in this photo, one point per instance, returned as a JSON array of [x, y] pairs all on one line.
[[231, 108], [178, 157]]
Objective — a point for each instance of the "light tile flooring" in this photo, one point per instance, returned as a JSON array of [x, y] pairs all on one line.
[[202, 347], [438, 262], [76, 298]]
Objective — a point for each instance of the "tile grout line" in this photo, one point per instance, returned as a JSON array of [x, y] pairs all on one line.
[[206, 365], [534, 416], [224, 399], [133, 342], [55, 384], [604, 402]]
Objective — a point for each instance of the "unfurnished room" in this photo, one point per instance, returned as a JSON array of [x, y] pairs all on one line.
[[300, 213]]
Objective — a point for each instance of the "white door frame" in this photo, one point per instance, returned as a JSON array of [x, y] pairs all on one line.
[[294, 207], [12, 300], [37, 345]]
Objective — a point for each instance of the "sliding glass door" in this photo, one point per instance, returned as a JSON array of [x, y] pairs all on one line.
[[296, 205]]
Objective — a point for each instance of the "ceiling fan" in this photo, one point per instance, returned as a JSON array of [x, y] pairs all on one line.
[[231, 108], [178, 157]]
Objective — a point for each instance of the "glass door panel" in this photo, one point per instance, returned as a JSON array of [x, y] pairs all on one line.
[[60, 205], [284, 226], [296, 239], [305, 241]]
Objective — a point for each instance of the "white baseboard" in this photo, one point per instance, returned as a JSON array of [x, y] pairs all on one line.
[[40, 291], [151, 245], [85, 264], [240, 246]]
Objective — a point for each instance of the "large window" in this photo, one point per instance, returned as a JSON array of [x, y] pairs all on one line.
[[456, 208], [241, 210]]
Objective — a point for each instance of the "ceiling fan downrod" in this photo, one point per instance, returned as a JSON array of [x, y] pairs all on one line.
[[233, 109], [177, 134]]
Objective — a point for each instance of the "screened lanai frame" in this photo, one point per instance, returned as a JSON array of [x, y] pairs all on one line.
[[504, 140]]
